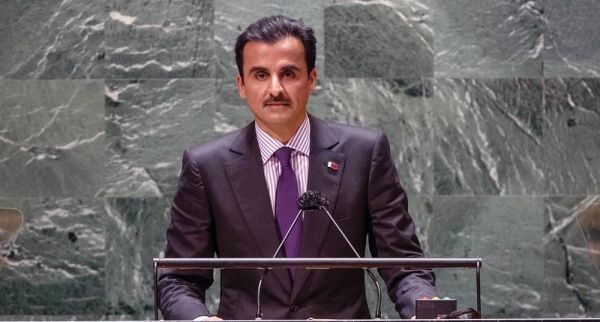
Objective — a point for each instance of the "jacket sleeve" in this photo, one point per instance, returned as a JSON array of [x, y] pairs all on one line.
[[190, 235], [392, 232]]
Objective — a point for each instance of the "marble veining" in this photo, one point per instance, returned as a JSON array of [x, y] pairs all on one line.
[[355, 45], [532, 250], [135, 235], [488, 136], [397, 107], [572, 135], [58, 263], [150, 123], [52, 40], [159, 39], [569, 252], [572, 38], [491, 109], [51, 138], [488, 38]]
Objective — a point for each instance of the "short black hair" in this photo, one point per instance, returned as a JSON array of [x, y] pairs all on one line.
[[273, 29]]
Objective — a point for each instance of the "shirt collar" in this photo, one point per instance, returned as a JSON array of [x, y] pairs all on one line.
[[299, 142]]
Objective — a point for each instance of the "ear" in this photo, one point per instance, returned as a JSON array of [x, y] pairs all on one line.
[[312, 80], [241, 87]]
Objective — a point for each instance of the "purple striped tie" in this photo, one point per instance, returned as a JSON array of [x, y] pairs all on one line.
[[286, 202]]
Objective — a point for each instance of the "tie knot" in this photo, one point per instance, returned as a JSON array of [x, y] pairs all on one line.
[[284, 155]]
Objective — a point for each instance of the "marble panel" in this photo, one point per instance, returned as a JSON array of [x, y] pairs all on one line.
[[213, 294], [421, 209], [572, 276], [51, 138], [391, 39], [149, 123], [488, 136], [135, 234], [318, 101], [233, 110], [232, 17], [397, 107], [493, 38], [52, 40], [57, 265], [534, 264], [159, 39], [572, 135], [572, 38]]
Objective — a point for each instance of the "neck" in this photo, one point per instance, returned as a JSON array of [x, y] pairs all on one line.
[[283, 133]]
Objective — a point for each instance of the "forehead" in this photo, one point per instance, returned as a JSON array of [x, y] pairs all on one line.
[[286, 51]]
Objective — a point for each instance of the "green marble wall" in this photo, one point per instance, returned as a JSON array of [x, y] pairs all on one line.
[[492, 108]]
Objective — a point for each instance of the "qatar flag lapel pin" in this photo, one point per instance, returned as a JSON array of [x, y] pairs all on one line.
[[333, 165]]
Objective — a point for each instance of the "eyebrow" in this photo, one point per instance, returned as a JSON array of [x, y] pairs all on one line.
[[261, 69], [256, 69], [290, 67]]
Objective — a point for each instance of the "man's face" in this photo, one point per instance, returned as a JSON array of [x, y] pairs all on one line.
[[276, 84]]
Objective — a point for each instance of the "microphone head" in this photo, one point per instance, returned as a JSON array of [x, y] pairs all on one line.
[[312, 200]]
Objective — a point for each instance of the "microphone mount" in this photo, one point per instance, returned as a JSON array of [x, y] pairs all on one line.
[[259, 314], [313, 200], [368, 270]]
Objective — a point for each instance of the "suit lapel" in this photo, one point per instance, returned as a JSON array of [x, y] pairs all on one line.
[[323, 179], [247, 179]]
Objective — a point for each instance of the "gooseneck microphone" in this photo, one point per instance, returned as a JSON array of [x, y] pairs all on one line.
[[313, 200], [259, 314]]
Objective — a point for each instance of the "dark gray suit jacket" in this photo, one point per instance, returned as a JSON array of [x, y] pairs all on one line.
[[222, 206]]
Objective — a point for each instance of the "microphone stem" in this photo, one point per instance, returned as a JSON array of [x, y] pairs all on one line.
[[258, 306], [341, 232], [288, 233], [378, 308]]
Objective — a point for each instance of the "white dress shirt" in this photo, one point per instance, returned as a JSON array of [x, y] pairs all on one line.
[[300, 142]]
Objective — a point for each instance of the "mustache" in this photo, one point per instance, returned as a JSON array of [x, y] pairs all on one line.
[[278, 99]]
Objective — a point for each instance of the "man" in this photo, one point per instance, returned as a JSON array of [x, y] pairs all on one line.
[[232, 198]]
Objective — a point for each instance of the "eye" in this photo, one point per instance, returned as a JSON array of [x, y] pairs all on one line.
[[260, 75], [288, 74]]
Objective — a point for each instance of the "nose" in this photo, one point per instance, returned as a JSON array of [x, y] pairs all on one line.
[[275, 87]]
